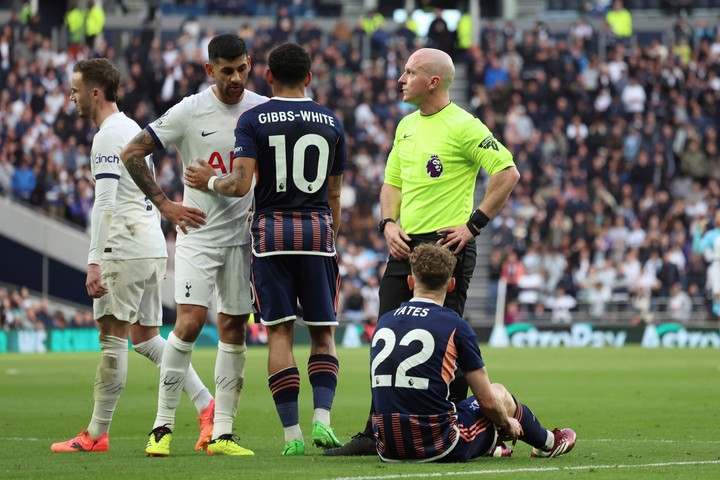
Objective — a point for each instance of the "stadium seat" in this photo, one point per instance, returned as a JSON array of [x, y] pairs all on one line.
[[556, 5]]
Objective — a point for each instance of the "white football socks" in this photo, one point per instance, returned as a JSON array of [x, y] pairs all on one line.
[[110, 378], [322, 415], [229, 378], [293, 432], [194, 387], [173, 372], [550, 442]]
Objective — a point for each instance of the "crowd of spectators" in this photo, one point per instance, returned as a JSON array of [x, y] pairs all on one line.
[[618, 148], [19, 310], [618, 151]]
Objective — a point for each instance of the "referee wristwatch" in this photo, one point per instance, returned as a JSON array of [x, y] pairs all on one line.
[[383, 222]]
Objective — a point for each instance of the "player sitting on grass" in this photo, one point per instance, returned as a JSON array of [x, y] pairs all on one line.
[[415, 351]]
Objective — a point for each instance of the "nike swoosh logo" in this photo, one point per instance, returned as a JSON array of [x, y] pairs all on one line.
[[168, 384], [407, 135], [205, 134]]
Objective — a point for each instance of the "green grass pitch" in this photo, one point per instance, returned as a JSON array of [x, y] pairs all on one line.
[[639, 414]]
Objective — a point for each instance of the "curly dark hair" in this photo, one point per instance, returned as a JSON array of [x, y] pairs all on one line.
[[289, 63], [432, 265]]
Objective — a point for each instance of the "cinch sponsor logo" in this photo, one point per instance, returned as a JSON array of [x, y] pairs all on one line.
[[580, 335], [671, 335], [99, 158]]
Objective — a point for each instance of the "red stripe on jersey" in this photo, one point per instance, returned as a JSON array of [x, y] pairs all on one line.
[[278, 230], [397, 434], [315, 231], [436, 434], [418, 444], [379, 421], [262, 220], [329, 233], [297, 230]]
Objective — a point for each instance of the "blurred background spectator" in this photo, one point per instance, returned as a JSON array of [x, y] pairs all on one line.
[[614, 132]]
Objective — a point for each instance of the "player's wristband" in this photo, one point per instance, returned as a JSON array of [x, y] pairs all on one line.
[[211, 183], [477, 222]]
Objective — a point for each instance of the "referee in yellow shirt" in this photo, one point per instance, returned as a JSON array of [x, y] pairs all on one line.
[[428, 194]]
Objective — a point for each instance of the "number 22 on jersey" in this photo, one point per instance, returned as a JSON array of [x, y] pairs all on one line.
[[402, 379]]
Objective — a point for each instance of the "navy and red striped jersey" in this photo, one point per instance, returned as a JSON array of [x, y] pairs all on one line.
[[415, 351], [297, 144]]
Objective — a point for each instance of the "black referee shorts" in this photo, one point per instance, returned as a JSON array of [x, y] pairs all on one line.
[[394, 289]]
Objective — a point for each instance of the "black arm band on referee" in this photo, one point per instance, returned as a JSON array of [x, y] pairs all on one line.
[[477, 222]]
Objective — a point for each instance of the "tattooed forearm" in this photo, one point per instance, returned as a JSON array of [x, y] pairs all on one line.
[[227, 186], [140, 173], [237, 184], [133, 156], [242, 172]]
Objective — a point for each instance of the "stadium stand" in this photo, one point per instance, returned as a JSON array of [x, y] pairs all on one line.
[[617, 142]]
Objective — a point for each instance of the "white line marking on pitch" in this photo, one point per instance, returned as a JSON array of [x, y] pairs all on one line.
[[648, 440], [523, 470]]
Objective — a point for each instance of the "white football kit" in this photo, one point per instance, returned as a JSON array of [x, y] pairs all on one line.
[[126, 238], [202, 127]]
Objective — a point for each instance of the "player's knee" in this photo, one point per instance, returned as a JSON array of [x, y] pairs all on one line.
[[140, 333], [189, 329], [322, 339]]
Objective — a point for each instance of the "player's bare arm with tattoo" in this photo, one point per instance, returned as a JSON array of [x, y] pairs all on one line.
[[236, 184], [133, 156]]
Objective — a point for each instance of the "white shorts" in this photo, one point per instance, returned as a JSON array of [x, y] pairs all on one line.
[[134, 291], [200, 271]]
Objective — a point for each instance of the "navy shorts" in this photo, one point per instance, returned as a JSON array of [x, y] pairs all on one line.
[[477, 433], [280, 282]]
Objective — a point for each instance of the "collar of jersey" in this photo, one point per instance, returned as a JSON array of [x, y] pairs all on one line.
[[423, 299], [293, 99]]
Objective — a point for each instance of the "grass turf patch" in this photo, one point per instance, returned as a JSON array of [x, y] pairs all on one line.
[[639, 413]]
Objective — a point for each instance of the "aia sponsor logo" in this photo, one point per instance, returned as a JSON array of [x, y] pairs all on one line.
[[216, 161]]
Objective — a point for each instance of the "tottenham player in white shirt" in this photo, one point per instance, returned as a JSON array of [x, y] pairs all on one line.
[[126, 262], [212, 254]]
